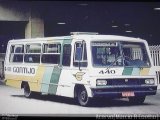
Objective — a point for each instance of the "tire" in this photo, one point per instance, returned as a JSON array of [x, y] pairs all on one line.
[[83, 98], [27, 92], [137, 100]]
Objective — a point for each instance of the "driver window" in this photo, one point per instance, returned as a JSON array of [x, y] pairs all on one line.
[[80, 46]]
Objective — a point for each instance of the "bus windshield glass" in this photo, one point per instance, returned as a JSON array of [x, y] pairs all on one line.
[[119, 54]]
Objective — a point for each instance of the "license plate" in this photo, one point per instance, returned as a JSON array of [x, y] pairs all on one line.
[[128, 94]]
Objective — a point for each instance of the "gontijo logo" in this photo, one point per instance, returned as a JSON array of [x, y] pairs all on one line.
[[24, 70], [21, 70]]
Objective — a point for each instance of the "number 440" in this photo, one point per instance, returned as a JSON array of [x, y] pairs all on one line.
[[107, 71]]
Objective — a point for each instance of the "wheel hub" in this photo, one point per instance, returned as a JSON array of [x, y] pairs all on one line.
[[83, 96]]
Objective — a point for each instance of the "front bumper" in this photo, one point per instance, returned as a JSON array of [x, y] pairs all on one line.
[[116, 91]]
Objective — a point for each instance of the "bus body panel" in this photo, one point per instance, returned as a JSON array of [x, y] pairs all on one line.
[[57, 79]]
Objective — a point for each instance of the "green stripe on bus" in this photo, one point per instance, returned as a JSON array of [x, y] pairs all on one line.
[[136, 71], [46, 79], [127, 71], [54, 79]]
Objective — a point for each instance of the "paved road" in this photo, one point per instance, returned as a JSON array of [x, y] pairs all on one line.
[[12, 101]]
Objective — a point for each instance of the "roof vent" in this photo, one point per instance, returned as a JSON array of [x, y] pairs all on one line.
[[84, 33]]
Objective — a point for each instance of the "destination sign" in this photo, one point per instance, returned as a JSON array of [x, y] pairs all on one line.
[[109, 44]]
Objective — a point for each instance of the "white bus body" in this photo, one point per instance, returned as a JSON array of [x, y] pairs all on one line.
[[82, 66]]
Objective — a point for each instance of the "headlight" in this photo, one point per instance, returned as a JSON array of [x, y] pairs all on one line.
[[101, 82], [149, 81]]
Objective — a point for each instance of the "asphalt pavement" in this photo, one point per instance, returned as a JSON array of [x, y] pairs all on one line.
[[12, 101]]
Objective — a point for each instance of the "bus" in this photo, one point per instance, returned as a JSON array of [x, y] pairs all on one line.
[[83, 65]]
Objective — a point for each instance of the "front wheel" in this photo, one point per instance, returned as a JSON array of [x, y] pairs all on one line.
[[137, 100], [83, 98]]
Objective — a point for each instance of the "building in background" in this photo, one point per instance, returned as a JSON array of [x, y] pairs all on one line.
[[29, 19], [19, 20], [23, 19]]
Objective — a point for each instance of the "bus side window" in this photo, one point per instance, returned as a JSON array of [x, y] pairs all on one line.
[[51, 53], [66, 55], [83, 62], [16, 53], [33, 52]]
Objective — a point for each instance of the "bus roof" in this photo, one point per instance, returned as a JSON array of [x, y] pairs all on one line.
[[82, 36]]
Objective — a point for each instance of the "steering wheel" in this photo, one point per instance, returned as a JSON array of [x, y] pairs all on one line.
[[128, 58]]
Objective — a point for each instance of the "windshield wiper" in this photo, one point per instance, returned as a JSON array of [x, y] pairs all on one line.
[[114, 61]]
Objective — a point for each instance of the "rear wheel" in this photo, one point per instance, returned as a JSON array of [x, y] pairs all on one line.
[[137, 100], [83, 98], [27, 91]]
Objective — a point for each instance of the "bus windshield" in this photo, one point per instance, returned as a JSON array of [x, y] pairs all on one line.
[[119, 54]]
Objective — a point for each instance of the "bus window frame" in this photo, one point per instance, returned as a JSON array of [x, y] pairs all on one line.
[[82, 61], [40, 53], [54, 43], [14, 53], [70, 54]]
